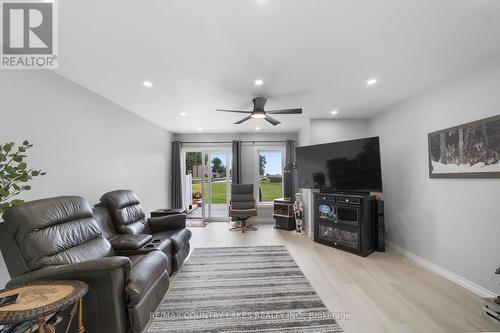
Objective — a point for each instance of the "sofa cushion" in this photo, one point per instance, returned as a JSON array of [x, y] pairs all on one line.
[[104, 221], [56, 231], [126, 212], [146, 269]]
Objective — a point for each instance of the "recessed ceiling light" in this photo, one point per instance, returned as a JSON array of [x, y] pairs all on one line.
[[371, 82], [200, 129], [183, 114], [147, 84], [257, 128], [334, 112], [258, 82]]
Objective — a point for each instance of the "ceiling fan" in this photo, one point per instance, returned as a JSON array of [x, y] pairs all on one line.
[[259, 112]]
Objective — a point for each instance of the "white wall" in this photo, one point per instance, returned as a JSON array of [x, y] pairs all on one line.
[[86, 144], [453, 223], [333, 130], [249, 159], [319, 131], [304, 135]]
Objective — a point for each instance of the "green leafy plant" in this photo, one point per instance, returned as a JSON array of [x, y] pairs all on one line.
[[14, 173]]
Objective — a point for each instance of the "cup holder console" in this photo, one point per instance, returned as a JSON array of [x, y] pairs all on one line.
[[152, 244]]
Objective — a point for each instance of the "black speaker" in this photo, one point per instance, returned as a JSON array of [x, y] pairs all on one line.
[[379, 226]]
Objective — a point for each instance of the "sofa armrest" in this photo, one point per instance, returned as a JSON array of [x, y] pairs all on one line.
[[91, 269], [170, 222], [106, 277]]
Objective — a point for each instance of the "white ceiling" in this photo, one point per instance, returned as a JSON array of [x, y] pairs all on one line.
[[315, 54]]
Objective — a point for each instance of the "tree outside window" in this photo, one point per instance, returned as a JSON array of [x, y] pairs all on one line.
[[270, 175]]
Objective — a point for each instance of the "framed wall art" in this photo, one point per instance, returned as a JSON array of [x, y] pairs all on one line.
[[471, 150]]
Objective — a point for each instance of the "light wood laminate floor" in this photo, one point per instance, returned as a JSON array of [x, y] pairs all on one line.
[[384, 292]]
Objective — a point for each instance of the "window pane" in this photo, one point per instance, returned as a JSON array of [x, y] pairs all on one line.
[[194, 169], [218, 167], [270, 175]]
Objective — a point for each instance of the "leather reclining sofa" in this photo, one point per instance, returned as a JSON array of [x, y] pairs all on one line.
[[125, 258]]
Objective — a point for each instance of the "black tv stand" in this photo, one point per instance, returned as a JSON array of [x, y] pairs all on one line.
[[354, 193], [344, 220]]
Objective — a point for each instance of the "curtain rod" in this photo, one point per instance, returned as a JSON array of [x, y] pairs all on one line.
[[244, 141]]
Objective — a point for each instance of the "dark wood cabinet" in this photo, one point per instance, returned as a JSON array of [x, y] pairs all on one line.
[[344, 221], [283, 214]]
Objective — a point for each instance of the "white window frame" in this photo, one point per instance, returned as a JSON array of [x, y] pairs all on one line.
[[205, 151], [282, 150]]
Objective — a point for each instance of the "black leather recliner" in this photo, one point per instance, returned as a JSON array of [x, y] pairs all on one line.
[[168, 233], [59, 239]]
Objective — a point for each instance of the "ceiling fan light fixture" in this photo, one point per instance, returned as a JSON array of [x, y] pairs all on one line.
[[258, 115], [258, 112]]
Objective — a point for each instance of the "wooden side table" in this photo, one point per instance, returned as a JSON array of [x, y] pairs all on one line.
[[38, 299]]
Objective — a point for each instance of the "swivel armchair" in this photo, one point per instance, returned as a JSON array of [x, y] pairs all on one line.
[[242, 206]]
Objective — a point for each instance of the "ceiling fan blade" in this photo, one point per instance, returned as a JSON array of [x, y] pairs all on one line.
[[286, 111], [236, 111], [243, 120], [272, 120]]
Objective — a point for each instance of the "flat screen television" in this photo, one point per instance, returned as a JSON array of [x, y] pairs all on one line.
[[341, 166]]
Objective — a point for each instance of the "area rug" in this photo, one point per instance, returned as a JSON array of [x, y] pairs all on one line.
[[191, 223], [242, 289]]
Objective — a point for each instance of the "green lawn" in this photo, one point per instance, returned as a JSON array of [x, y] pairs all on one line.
[[269, 191]]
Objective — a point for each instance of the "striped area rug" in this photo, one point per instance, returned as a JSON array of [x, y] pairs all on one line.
[[242, 289]]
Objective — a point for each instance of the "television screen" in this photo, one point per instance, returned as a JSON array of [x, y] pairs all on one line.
[[344, 166]]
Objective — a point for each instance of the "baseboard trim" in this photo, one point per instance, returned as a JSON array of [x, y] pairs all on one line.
[[261, 220], [471, 286]]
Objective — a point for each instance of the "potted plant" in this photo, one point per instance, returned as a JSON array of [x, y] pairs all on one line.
[[15, 174], [196, 197]]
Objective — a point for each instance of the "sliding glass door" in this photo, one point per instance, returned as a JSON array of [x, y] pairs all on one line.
[[218, 182], [207, 183]]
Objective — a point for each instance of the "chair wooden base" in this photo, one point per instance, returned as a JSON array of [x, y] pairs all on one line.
[[243, 227]]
